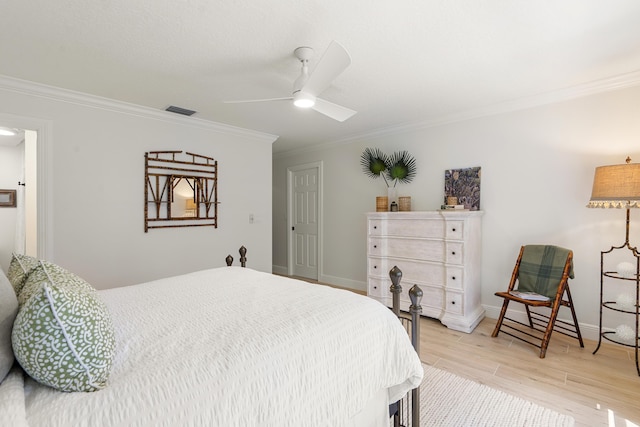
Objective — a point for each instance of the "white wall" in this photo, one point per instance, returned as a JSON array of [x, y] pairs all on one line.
[[97, 187], [537, 171], [10, 157]]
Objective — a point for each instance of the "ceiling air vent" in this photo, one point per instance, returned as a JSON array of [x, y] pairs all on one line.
[[180, 110]]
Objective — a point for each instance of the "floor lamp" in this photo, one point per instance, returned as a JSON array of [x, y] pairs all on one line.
[[618, 186]]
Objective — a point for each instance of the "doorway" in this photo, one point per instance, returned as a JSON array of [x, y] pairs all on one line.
[[18, 225], [37, 182], [304, 206]]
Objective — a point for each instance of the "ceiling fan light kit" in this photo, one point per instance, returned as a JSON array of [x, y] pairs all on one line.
[[307, 87], [303, 100]]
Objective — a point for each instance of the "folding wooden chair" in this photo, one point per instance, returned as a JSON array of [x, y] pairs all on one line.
[[542, 274]]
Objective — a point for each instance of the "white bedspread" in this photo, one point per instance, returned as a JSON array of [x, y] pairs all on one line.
[[236, 347]]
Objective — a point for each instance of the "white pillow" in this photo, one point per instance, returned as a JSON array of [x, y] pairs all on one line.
[[8, 312]]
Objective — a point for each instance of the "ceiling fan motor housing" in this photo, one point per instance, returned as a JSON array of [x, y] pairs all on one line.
[[303, 53]]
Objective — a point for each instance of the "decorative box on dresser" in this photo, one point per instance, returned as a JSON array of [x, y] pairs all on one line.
[[440, 251]]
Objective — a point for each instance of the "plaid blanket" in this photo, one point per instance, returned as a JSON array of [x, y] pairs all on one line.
[[541, 269]]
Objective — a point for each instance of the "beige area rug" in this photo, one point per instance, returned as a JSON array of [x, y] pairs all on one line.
[[449, 400]]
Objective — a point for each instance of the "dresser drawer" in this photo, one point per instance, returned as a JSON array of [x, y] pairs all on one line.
[[454, 252], [397, 247], [407, 227], [375, 227], [432, 296], [454, 230], [454, 277], [454, 303], [412, 271], [378, 287]]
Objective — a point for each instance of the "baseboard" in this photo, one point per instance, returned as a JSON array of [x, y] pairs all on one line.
[[344, 283], [279, 269], [329, 280], [589, 332]]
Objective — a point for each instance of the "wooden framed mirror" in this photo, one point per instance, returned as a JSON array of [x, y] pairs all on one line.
[[180, 192]]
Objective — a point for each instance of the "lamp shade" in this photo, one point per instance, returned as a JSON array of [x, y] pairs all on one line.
[[616, 186]]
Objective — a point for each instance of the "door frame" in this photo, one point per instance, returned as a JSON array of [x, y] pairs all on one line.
[[290, 241]]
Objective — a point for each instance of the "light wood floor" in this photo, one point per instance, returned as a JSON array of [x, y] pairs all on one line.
[[570, 380]]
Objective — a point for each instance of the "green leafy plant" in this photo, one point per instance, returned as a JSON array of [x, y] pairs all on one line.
[[399, 167], [402, 167], [375, 163]]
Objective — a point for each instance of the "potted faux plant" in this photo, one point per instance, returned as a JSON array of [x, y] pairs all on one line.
[[399, 167]]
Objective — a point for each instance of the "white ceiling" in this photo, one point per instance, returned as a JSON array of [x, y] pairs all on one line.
[[413, 61], [12, 140]]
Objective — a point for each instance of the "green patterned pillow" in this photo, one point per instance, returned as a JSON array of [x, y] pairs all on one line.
[[19, 270], [45, 271], [64, 338]]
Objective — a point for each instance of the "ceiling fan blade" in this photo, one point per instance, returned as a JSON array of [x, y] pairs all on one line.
[[258, 100], [335, 111], [335, 60]]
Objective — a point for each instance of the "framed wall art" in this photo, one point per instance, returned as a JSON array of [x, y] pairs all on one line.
[[462, 188], [7, 198]]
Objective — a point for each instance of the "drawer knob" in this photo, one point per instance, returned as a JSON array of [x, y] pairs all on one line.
[[375, 227], [375, 287], [453, 277], [453, 229], [375, 266], [453, 303], [375, 246], [453, 252]]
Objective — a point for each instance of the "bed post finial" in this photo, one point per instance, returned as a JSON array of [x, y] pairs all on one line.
[[243, 256], [415, 295], [396, 275], [415, 309], [229, 260]]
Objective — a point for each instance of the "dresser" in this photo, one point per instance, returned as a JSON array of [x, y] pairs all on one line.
[[440, 251]]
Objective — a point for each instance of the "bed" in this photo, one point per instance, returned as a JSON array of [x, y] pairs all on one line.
[[232, 346]]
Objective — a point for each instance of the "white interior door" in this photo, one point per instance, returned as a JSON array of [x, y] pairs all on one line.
[[304, 202]]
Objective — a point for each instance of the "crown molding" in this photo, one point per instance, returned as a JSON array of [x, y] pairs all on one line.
[[79, 98], [578, 91]]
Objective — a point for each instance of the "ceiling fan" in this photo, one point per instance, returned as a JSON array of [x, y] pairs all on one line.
[[307, 86]]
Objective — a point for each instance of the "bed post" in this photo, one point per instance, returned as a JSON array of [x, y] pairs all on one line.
[[415, 294], [395, 274], [243, 256], [415, 309]]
